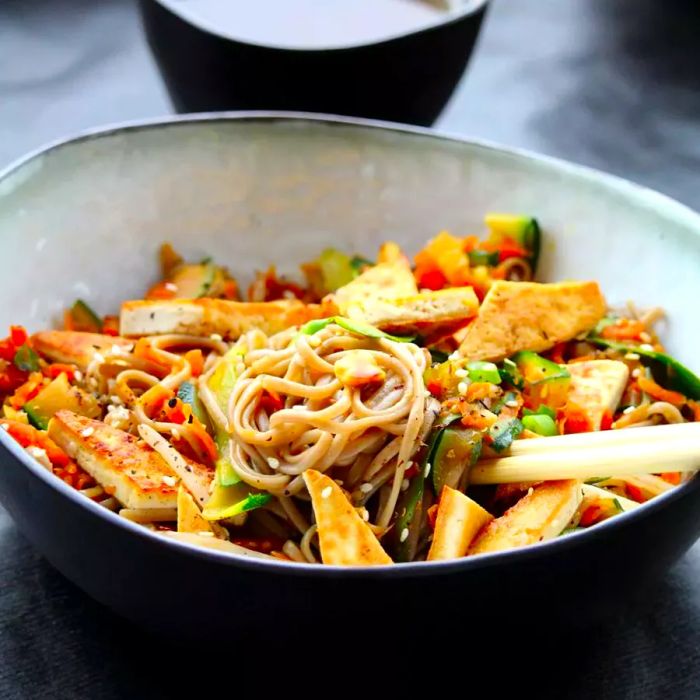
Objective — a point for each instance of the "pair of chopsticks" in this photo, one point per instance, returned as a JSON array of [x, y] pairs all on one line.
[[609, 453]]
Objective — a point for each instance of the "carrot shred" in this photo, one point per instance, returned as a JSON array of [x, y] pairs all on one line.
[[196, 360], [624, 329], [649, 386]]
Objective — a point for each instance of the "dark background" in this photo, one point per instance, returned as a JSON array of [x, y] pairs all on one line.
[[610, 83]]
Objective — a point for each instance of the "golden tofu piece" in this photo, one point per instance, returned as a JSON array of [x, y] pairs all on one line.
[[597, 386], [430, 314], [344, 537], [130, 471], [458, 521], [531, 316], [540, 515], [75, 347], [388, 280], [229, 319], [190, 519]]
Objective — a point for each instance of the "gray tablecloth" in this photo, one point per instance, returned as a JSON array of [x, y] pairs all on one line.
[[610, 83]]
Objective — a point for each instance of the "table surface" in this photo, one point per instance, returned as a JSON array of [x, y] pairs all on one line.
[[610, 83]]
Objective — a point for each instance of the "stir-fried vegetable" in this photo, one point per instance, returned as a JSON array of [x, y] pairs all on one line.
[[353, 327]]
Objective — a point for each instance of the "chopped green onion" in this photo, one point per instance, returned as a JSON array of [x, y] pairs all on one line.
[[542, 410], [511, 374], [484, 372], [483, 257], [503, 432], [540, 424]]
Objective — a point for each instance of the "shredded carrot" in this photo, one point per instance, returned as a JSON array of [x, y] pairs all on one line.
[[671, 477], [623, 329], [573, 419], [27, 391], [206, 442], [110, 325], [57, 368], [635, 493], [153, 399], [479, 390], [161, 290], [28, 436], [591, 515], [649, 386], [196, 360], [230, 290]]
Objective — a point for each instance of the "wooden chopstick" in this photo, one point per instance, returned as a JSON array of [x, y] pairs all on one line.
[[608, 453]]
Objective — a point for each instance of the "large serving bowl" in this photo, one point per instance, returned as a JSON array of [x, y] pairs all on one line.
[[405, 76], [85, 217]]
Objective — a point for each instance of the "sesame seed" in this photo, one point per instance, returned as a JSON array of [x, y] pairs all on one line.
[[171, 287], [427, 470], [511, 404], [631, 356], [454, 356], [461, 373], [340, 482], [98, 357], [405, 484], [288, 294], [169, 480], [216, 336], [314, 341], [530, 491], [326, 492], [646, 347], [366, 487], [78, 375], [116, 400], [462, 388], [636, 372], [174, 434], [87, 432], [111, 408], [629, 409], [365, 515], [404, 535], [273, 462]]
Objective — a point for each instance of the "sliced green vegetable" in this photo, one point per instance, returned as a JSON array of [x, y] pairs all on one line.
[[230, 501], [545, 381], [511, 374], [224, 473], [57, 395], [603, 323], [26, 359], [508, 397], [483, 257], [483, 372], [336, 269], [522, 230], [596, 480], [667, 371], [541, 411], [503, 432], [540, 424], [352, 327], [358, 263], [187, 393], [84, 318], [456, 451]]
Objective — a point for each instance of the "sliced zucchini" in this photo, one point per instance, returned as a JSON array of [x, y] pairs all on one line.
[[546, 382], [524, 231], [456, 451], [57, 395]]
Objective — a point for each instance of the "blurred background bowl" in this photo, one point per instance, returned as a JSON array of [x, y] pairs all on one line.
[[404, 77]]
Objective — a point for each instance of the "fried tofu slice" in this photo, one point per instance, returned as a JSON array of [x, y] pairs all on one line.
[[130, 471], [596, 387], [540, 515], [344, 537], [190, 519], [75, 347], [531, 316], [431, 314], [387, 280], [229, 319], [458, 521]]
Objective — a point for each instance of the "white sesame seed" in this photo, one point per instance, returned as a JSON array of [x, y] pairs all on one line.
[[629, 409], [326, 492], [273, 462], [530, 491], [636, 372], [111, 408], [340, 482], [631, 356], [646, 347], [366, 487], [404, 535], [87, 432], [288, 294], [98, 357], [365, 515], [116, 400], [169, 480], [40, 456], [174, 434], [511, 404], [461, 373], [314, 341], [427, 470], [405, 484], [216, 336], [454, 356], [78, 375], [171, 287], [462, 388]]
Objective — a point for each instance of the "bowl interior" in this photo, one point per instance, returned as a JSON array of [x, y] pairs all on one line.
[[85, 219]]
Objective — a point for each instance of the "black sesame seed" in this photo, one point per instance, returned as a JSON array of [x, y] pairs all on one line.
[[172, 402]]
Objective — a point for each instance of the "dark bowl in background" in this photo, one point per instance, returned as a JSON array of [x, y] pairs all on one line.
[[407, 78]]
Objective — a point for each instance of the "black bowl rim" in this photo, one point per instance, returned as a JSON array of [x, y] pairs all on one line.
[[413, 569], [472, 7]]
